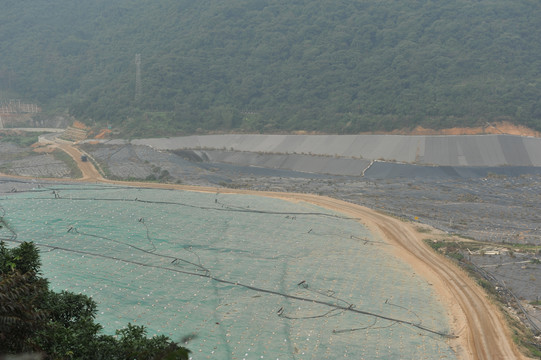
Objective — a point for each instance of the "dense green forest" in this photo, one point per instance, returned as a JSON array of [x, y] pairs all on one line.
[[340, 66]]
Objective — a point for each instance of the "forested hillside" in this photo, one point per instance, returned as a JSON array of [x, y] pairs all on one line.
[[340, 66]]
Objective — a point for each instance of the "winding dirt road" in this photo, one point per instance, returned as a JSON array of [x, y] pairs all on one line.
[[482, 332], [89, 172]]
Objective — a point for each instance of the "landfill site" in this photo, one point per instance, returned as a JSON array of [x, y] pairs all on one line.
[[484, 187], [479, 187]]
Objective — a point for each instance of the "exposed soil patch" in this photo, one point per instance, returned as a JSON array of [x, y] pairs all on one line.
[[503, 127]]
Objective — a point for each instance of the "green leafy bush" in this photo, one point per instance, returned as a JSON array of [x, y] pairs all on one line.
[[62, 325]]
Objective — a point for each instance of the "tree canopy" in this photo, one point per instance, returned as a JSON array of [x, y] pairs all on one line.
[[34, 318], [274, 65]]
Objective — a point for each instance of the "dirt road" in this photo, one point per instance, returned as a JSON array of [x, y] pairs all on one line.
[[87, 168], [482, 331], [480, 327]]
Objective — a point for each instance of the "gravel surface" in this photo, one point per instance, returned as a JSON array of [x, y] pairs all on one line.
[[18, 160]]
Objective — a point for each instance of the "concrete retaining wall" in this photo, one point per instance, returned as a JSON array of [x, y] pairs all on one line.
[[466, 150]]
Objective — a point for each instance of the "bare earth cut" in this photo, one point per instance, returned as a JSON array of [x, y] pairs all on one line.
[[481, 331]]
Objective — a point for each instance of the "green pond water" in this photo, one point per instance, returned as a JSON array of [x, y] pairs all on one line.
[[251, 277]]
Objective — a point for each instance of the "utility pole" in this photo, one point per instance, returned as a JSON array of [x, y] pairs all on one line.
[[138, 87]]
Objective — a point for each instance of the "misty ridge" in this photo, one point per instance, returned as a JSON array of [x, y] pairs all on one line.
[[173, 67]]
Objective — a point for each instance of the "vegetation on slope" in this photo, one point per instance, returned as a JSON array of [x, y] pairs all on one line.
[[275, 65]]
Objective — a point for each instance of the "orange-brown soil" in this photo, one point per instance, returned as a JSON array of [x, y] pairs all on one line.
[[502, 127]]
